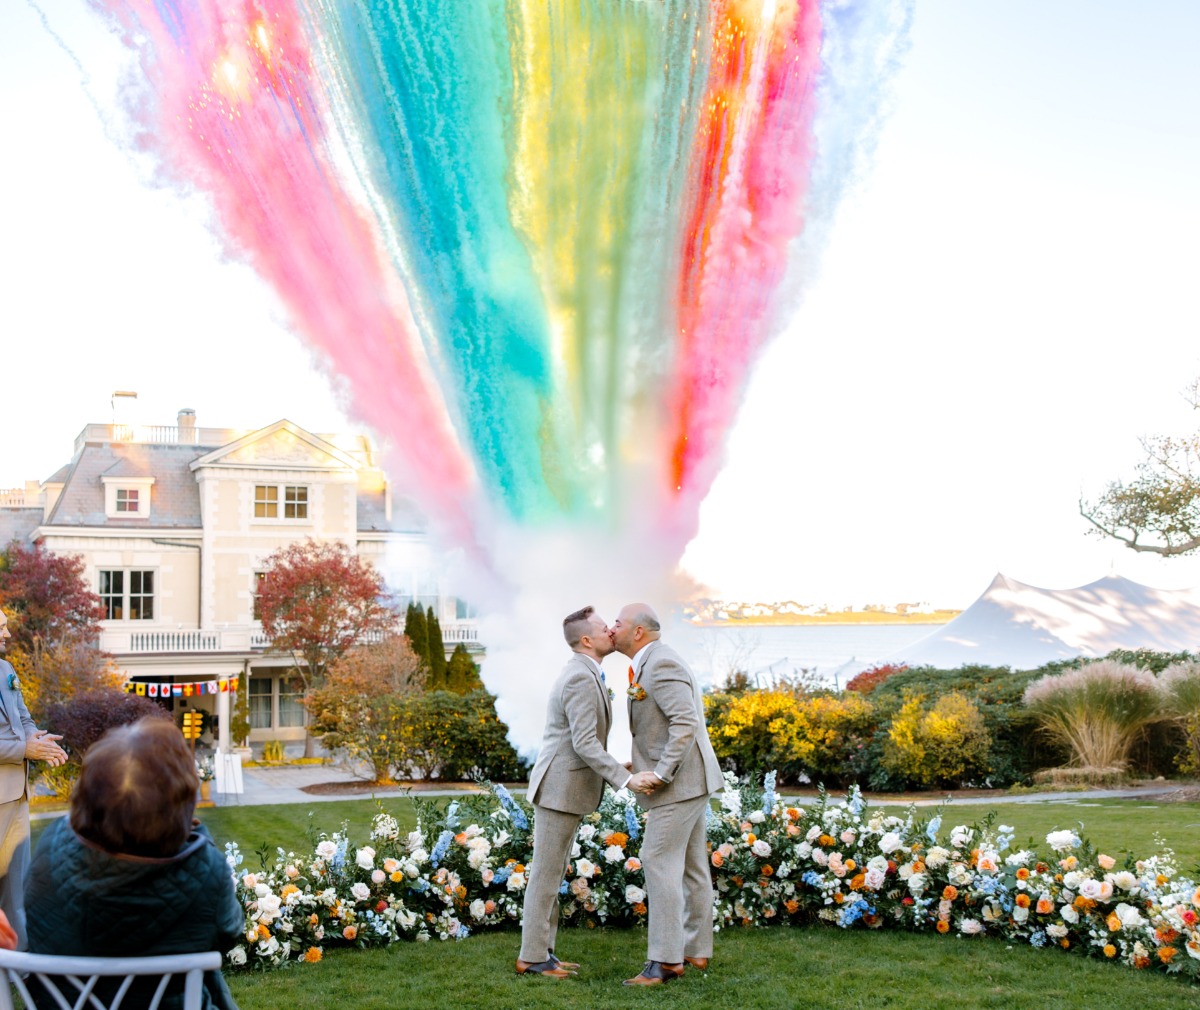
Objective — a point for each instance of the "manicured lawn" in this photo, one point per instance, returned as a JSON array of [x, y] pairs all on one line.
[[763, 970]]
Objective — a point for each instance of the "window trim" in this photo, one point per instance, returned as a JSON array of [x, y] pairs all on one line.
[[127, 593], [287, 496], [113, 485]]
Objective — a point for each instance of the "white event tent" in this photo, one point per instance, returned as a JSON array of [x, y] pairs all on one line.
[[1023, 627]]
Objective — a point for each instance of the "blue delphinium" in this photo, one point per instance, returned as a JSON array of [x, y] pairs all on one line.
[[339, 857], [463, 933], [452, 815], [631, 822], [515, 813], [851, 913], [441, 847], [855, 801], [1037, 938], [502, 874], [811, 878], [564, 887], [932, 830], [769, 793]]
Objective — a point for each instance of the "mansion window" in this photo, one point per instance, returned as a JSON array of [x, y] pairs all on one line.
[[280, 501], [127, 594], [255, 607], [275, 702], [127, 499]]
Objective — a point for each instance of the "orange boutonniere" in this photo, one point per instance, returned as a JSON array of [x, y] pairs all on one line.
[[636, 692]]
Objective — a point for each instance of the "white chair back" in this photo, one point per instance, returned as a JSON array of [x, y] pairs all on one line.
[[71, 982]]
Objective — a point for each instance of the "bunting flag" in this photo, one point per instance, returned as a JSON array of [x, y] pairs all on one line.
[[185, 690]]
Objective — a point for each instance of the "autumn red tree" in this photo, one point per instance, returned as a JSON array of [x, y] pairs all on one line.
[[54, 618], [319, 600], [46, 597]]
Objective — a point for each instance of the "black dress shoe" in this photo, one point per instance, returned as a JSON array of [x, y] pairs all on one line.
[[656, 973], [547, 969]]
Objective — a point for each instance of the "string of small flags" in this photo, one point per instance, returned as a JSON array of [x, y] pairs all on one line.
[[221, 686]]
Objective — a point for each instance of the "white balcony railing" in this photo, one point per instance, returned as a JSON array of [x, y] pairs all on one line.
[[180, 641]]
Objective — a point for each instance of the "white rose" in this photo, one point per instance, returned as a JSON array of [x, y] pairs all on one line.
[[634, 895], [261, 890], [916, 883], [803, 850], [413, 841], [1069, 914], [326, 849], [848, 836], [422, 938], [760, 848], [1020, 914], [1060, 841], [1072, 879], [813, 833], [874, 879], [476, 858], [1018, 858], [614, 854], [419, 856], [378, 876], [360, 892], [250, 881], [877, 863], [365, 857], [960, 836], [959, 875], [478, 909], [268, 947], [586, 832], [410, 869], [890, 842], [1123, 879], [969, 927], [502, 838], [585, 868], [516, 882], [1057, 931], [756, 817], [905, 871], [1130, 917], [1097, 890], [268, 906], [237, 956]]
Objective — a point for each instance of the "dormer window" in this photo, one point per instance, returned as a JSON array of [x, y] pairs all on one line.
[[127, 497]]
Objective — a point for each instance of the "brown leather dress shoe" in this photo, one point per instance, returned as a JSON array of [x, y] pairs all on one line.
[[656, 973], [547, 969], [697, 962], [568, 965]]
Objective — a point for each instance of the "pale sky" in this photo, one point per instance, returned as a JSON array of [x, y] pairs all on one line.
[[1008, 302]]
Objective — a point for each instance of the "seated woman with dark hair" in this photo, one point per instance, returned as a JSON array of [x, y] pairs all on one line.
[[130, 873]]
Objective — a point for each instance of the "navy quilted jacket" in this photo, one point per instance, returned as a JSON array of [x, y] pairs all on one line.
[[82, 901]]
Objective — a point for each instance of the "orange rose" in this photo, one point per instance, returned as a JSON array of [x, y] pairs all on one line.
[[1045, 906], [312, 955], [1112, 922], [264, 932], [1166, 953], [1023, 900], [718, 859], [1022, 874], [639, 908], [350, 932], [1110, 950], [1084, 904], [767, 871], [1064, 943], [943, 926], [792, 905], [792, 814], [950, 892], [312, 919]]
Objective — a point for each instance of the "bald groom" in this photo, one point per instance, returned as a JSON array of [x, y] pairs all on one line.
[[567, 782]]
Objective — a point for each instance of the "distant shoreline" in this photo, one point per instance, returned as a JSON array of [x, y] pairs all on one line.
[[842, 619]]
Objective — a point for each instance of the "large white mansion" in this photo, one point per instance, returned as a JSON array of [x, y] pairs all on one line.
[[174, 523]]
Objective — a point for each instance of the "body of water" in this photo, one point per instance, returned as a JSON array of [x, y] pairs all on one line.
[[833, 652]]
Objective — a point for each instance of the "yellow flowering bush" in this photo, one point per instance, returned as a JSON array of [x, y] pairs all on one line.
[[945, 744]]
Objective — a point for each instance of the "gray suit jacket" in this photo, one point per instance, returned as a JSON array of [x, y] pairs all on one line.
[[573, 764], [15, 726], [669, 734]]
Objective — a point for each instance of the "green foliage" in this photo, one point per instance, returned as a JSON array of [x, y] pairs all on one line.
[[945, 744], [462, 672], [1180, 688], [417, 633], [239, 713], [437, 652]]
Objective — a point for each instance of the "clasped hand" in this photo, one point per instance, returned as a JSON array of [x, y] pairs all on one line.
[[644, 782], [42, 747]]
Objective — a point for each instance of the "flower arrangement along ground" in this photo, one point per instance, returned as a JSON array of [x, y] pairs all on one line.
[[836, 862]]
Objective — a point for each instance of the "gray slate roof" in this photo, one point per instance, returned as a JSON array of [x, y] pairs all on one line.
[[17, 524]]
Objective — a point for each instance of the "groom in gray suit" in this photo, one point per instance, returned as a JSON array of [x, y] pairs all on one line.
[[670, 742], [567, 782], [20, 742]]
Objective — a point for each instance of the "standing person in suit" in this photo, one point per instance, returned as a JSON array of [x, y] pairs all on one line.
[[670, 742], [20, 742], [567, 782]]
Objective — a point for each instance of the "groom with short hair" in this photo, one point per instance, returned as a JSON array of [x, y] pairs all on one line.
[[567, 782], [670, 741]]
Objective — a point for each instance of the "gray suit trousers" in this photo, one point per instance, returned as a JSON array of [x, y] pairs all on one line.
[[14, 862], [678, 881], [553, 837]]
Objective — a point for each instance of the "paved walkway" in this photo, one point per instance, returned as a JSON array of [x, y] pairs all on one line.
[[286, 784]]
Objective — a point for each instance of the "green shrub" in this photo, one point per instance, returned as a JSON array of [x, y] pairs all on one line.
[[942, 745]]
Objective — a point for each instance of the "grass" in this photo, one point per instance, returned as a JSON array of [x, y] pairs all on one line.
[[754, 970], [759, 970]]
